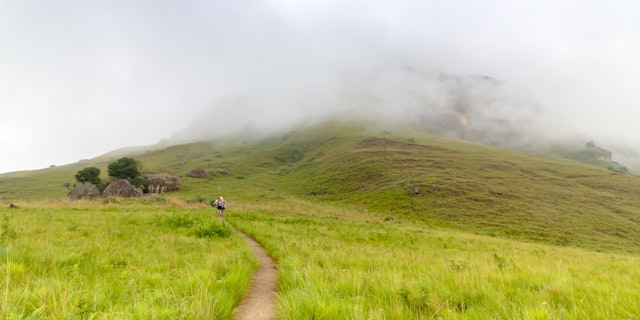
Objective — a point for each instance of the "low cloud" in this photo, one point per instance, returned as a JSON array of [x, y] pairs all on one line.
[[81, 79]]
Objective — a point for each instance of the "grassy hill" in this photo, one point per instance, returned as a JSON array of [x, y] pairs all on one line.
[[370, 221], [395, 173]]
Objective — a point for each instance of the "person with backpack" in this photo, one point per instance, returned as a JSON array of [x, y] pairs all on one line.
[[220, 204]]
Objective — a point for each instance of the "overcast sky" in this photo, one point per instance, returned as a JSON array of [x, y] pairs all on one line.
[[81, 78]]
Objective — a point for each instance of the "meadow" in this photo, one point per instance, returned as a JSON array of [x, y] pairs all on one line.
[[337, 264], [120, 259], [492, 234]]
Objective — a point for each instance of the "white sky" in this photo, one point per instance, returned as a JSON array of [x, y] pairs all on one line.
[[79, 78]]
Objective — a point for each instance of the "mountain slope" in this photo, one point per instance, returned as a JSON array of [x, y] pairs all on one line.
[[473, 187], [395, 173]]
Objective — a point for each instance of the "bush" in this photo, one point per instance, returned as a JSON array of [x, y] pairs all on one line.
[[126, 168], [289, 155], [180, 221], [198, 199], [91, 175], [108, 200], [212, 229], [197, 226]]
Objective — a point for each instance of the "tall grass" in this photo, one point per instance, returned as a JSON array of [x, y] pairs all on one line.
[[337, 266], [120, 261]]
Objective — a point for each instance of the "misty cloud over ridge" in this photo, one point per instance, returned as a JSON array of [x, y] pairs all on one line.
[[82, 78], [473, 107]]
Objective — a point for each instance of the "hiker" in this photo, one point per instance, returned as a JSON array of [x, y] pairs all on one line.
[[220, 204]]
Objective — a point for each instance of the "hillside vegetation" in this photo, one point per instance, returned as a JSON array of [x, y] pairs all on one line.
[[396, 173], [341, 264], [371, 221]]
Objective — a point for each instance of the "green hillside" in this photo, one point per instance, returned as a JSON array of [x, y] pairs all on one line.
[[394, 173]]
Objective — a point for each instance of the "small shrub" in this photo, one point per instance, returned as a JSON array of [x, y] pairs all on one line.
[[513, 231], [7, 231], [126, 168], [91, 175], [200, 199], [500, 261], [417, 302], [457, 265], [158, 199], [211, 229], [289, 155], [108, 200], [180, 221]]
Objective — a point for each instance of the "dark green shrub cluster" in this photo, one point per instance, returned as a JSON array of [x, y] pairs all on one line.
[[289, 155], [126, 168], [91, 175], [618, 168]]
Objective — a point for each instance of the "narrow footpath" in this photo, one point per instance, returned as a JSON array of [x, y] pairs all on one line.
[[259, 303]]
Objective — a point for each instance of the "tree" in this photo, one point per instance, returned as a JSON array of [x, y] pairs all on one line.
[[126, 168], [89, 174], [67, 185]]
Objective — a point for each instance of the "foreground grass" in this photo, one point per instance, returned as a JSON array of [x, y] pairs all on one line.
[[123, 260], [346, 266]]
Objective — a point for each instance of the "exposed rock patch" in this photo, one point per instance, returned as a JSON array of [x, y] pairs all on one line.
[[165, 181], [84, 190], [121, 188], [197, 173]]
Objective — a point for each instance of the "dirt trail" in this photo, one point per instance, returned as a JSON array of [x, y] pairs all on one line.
[[259, 303]]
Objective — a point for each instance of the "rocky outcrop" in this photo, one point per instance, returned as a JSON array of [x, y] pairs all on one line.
[[162, 181], [197, 173], [84, 190], [121, 188]]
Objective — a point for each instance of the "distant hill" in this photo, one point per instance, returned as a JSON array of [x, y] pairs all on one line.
[[394, 172], [472, 107], [476, 108]]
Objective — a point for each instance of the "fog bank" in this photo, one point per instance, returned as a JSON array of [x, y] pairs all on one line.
[[83, 78]]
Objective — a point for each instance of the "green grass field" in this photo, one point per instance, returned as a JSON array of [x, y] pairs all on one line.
[[337, 265], [493, 234], [120, 260]]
